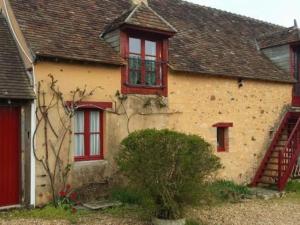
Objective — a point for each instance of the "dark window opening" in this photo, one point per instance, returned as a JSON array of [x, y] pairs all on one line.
[[221, 139]]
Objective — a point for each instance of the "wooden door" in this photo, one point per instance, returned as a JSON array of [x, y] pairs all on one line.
[[9, 156]]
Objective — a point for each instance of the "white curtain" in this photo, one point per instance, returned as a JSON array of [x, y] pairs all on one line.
[[95, 133], [79, 138]]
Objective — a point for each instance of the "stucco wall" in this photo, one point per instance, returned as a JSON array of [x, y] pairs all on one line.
[[195, 103]]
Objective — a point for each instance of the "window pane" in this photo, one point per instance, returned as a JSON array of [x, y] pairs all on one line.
[[150, 78], [79, 122], [135, 45], [135, 77], [135, 62], [220, 137], [79, 145], [150, 64], [95, 144], [79, 138], [94, 121], [150, 48], [150, 70]]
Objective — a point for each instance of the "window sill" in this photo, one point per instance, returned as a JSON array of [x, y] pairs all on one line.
[[97, 162], [144, 90], [143, 86]]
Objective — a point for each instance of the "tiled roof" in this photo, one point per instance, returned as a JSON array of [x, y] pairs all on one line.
[[285, 36], [14, 83], [142, 16], [207, 41]]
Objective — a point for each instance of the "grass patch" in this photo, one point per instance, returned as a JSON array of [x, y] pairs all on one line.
[[126, 195], [193, 222], [47, 213], [293, 186], [227, 191]]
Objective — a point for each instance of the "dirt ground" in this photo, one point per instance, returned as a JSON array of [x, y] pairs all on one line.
[[252, 212]]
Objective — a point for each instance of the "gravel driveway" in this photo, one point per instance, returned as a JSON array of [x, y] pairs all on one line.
[[258, 212], [254, 212]]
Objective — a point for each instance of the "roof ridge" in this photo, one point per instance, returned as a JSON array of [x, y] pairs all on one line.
[[153, 11], [277, 32], [135, 8], [232, 13], [159, 16]]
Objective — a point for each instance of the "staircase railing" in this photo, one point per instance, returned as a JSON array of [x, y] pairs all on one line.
[[288, 156], [275, 139]]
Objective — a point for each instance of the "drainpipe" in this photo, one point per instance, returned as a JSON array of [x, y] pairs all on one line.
[[33, 106]]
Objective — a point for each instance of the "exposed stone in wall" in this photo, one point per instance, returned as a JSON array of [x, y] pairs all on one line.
[[194, 104]]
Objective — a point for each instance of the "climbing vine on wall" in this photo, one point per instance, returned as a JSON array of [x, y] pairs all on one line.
[[54, 124]]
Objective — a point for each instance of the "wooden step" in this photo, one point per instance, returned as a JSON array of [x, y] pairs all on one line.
[[270, 176], [267, 169]]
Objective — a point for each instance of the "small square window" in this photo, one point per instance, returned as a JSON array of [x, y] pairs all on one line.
[[223, 136]]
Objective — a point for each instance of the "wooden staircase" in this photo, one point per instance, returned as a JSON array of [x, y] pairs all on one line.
[[281, 157]]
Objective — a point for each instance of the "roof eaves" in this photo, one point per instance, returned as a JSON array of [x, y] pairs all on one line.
[[209, 73], [79, 59]]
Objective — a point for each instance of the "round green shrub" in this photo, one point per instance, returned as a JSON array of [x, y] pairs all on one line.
[[168, 166]]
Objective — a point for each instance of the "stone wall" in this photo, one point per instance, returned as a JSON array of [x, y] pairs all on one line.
[[194, 104]]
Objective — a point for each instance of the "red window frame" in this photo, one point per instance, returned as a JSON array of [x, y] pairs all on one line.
[[162, 57], [87, 107], [223, 136], [86, 134]]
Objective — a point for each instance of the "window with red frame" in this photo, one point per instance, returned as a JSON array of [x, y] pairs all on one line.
[[223, 136], [144, 62], [88, 134]]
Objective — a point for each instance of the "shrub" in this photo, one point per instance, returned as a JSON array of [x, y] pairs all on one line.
[[168, 166]]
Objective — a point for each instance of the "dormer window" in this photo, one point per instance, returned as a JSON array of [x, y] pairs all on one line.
[[146, 56]]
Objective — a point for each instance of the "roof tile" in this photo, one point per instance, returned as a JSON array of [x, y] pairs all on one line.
[[14, 83], [208, 41]]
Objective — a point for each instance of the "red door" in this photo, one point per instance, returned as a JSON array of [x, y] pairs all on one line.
[[9, 156]]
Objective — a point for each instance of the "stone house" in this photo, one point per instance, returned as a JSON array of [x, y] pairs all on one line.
[[159, 63]]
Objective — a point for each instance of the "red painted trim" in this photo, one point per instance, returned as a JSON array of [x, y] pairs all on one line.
[[92, 105], [127, 88], [296, 101], [87, 156], [223, 125]]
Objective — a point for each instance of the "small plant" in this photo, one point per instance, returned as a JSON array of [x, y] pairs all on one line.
[[67, 199], [192, 222], [168, 166], [293, 186], [228, 191], [126, 195]]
